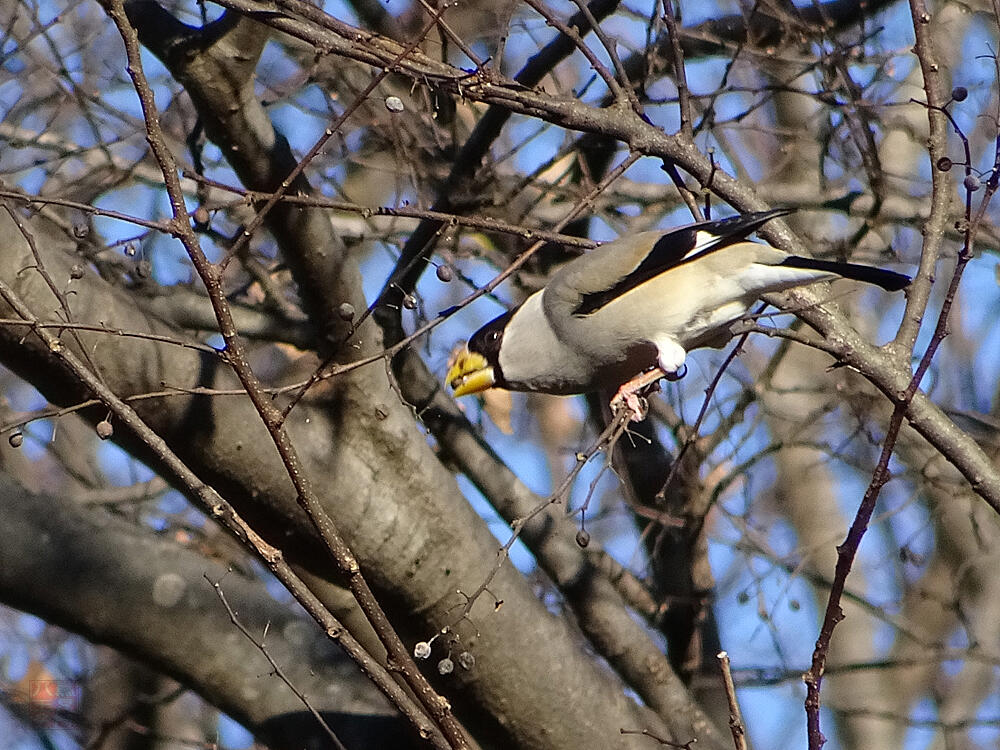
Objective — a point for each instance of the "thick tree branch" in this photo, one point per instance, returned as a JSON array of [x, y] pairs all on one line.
[[117, 584]]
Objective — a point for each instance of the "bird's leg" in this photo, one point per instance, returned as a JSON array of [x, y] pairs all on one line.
[[669, 364], [677, 374]]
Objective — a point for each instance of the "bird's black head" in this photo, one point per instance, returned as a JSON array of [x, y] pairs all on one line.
[[486, 341]]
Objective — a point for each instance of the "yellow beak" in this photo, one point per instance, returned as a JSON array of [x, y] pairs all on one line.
[[470, 373]]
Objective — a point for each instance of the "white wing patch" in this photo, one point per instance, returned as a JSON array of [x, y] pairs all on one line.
[[703, 242]]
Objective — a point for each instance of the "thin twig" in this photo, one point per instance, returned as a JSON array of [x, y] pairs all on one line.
[[604, 442], [680, 73], [663, 741], [612, 49], [484, 223], [262, 647], [736, 725], [570, 33], [692, 436]]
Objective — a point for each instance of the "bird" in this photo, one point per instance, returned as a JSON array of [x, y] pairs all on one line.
[[626, 314]]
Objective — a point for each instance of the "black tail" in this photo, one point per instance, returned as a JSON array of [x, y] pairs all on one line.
[[888, 280]]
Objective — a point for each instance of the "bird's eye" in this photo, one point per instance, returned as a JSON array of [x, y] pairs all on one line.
[[492, 336]]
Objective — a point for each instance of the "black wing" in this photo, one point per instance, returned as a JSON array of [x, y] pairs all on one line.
[[676, 247]]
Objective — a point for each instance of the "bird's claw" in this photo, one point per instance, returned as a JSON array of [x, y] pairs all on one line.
[[628, 396], [632, 403], [631, 396]]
